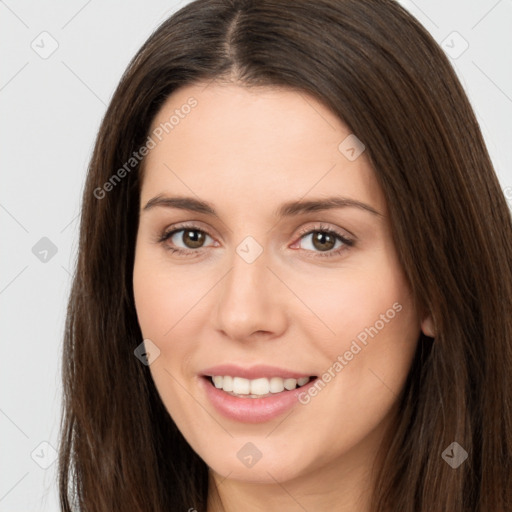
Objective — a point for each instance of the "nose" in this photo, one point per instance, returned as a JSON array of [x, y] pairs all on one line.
[[252, 302]]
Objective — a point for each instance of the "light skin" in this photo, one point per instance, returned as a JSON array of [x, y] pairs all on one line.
[[247, 152]]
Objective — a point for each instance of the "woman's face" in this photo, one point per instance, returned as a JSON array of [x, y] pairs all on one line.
[[286, 270]]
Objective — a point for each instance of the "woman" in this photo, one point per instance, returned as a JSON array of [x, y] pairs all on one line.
[[294, 286]]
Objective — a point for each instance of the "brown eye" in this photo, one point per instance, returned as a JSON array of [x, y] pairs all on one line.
[[184, 239], [192, 238], [323, 241]]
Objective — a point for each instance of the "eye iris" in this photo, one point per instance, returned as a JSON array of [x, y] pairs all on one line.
[[321, 238], [195, 238]]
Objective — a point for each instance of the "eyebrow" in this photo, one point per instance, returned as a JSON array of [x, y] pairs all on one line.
[[288, 209]]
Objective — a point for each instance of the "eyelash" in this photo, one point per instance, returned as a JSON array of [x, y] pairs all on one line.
[[166, 235]]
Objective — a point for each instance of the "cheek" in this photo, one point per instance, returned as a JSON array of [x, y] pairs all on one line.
[[348, 302], [382, 333], [163, 303], [163, 298], [374, 329], [170, 310], [154, 306], [366, 362]]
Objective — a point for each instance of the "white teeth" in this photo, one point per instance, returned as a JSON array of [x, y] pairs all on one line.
[[260, 386], [290, 384], [227, 383], [276, 385], [241, 386], [256, 387]]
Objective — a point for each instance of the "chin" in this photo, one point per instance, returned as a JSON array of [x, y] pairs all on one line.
[[256, 462]]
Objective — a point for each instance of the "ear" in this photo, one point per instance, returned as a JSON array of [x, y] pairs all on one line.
[[427, 326]]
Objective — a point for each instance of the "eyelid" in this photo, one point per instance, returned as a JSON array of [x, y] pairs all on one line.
[[321, 226], [193, 225]]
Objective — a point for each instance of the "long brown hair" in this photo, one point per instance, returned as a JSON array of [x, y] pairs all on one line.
[[386, 78]]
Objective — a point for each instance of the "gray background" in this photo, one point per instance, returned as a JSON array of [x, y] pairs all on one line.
[[51, 105]]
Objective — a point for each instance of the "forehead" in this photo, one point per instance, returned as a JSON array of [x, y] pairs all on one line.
[[262, 142], [279, 118]]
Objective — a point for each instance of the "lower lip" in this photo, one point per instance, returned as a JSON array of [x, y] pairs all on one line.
[[252, 410]]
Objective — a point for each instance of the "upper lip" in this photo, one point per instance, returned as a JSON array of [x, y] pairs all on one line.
[[253, 372]]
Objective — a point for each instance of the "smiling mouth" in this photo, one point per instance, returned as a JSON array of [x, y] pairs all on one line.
[[256, 388]]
